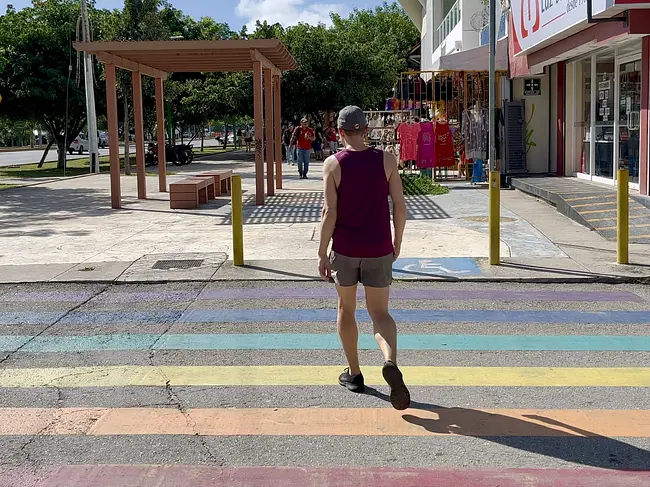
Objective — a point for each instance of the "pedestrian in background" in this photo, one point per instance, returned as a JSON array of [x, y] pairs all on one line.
[[331, 138], [248, 138], [317, 144], [286, 141], [302, 137]]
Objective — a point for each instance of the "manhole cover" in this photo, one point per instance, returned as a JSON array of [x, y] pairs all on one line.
[[484, 219], [166, 265]]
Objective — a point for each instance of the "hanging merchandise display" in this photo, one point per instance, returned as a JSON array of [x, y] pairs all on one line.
[[452, 108], [426, 146], [408, 133]]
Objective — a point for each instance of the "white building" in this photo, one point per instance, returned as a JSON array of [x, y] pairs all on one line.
[[454, 34]]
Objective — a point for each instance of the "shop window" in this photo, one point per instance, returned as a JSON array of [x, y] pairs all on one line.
[[604, 119], [629, 123]]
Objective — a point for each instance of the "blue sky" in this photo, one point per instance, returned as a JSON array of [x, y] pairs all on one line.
[[244, 12]]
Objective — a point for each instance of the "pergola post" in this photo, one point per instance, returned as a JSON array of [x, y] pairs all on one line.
[[268, 125], [113, 136], [138, 120], [258, 114], [278, 132], [160, 116]]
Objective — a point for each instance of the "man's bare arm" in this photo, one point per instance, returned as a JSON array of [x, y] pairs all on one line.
[[328, 220], [399, 204]]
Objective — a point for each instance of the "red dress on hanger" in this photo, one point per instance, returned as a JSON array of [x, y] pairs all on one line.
[[426, 146], [408, 141], [444, 146]]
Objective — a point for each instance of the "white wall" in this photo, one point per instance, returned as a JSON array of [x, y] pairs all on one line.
[[537, 157]]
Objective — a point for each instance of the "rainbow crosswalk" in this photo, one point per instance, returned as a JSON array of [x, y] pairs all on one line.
[[236, 384]]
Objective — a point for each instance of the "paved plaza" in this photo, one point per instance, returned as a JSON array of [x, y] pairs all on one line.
[[66, 230]]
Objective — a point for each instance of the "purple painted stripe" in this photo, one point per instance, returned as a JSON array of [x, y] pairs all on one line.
[[325, 293], [430, 294], [186, 475]]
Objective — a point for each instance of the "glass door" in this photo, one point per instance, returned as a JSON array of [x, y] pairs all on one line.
[[629, 109]]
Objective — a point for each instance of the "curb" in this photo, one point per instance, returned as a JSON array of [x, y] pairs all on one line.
[[522, 280]]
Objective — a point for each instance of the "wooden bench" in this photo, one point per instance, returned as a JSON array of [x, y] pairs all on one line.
[[222, 180], [190, 193]]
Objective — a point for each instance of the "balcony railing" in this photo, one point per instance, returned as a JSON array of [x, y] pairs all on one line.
[[448, 23]]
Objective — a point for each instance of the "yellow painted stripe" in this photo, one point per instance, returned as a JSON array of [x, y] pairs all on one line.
[[275, 375], [605, 195], [631, 226], [589, 212], [639, 236], [613, 218], [594, 204], [325, 422]]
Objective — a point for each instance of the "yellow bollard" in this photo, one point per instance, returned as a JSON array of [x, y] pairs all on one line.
[[623, 217], [494, 217], [237, 222]]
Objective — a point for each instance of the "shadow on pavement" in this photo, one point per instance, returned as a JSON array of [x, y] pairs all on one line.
[[583, 448], [40, 205]]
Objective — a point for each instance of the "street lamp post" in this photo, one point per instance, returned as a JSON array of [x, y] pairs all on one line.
[[90, 91]]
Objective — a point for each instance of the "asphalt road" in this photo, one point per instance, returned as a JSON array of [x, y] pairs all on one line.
[[131, 385], [17, 158]]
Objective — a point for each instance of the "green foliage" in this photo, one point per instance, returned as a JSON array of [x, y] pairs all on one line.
[[415, 185], [356, 61]]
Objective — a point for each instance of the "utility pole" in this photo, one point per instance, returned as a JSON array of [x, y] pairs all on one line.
[[90, 91]]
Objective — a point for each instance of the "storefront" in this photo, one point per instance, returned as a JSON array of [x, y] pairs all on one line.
[[604, 113], [600, 81]]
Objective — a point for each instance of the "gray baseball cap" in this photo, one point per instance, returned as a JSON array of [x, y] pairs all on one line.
[[352, 118]]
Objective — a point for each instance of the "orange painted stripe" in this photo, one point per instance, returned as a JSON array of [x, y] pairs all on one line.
[[325, 422]]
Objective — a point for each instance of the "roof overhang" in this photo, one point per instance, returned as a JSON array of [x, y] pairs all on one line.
[[155, 58], [413, 9]]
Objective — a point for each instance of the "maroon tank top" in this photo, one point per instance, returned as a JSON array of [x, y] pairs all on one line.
[[363, 216]]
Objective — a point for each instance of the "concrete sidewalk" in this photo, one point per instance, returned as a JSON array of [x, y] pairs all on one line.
[[65, 231]]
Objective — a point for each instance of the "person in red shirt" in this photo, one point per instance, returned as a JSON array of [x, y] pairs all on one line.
[[332, 142], [303, 136]]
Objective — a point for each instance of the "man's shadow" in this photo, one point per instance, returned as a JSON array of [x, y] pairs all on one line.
[[582, 447]]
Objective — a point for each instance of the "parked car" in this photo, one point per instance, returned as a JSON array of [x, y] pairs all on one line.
[[79, 145]]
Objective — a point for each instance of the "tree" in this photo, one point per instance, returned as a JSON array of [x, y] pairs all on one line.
[[355, 61], [36, 47]]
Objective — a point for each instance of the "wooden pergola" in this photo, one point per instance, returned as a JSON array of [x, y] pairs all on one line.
[[266, 58]]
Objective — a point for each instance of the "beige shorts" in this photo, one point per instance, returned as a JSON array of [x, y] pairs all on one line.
[[349, 271]]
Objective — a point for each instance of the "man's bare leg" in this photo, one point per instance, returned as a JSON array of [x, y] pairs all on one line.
[[347, 326], [383, 323], [386, 335]]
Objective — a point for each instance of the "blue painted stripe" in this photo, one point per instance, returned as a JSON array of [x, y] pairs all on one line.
[[329, 315], [29, 317], [307, 341]]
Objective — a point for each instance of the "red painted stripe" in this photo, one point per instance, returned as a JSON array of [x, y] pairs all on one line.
[[185, 475]]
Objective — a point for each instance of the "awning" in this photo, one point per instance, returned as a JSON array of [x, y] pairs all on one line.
[[476, 59]]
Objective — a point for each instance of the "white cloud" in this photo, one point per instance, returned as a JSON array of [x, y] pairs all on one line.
[[287, 12]]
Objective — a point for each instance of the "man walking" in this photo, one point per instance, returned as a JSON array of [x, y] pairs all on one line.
[[303, 136], [357, 183]]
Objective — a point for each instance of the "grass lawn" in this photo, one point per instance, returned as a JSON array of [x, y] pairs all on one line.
[[415, 184], [7, 186], [78, 167]]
